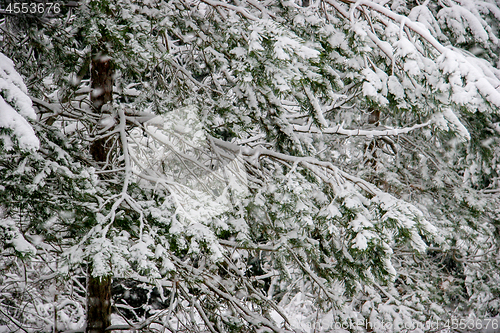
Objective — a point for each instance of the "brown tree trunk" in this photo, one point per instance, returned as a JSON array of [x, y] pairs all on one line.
[[99, 288], [101, 78], [101, 81], [98, 304]]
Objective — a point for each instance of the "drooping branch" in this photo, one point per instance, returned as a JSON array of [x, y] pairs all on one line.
[[238, 9], [417, 28]]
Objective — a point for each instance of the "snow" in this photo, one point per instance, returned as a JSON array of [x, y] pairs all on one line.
[[20, 127], [13, 88], [194, 217], [405, 48], [488, 91], [330, 211], [459, 19], [447, 120], [360, 222], [395, 87], [199, 195], [255, 38], [289, 44], [375, 85], [239, 52], [471, 80], [360, 242], [423, 15], [15, 238], [15, 107], [140, 253], [337, 39]]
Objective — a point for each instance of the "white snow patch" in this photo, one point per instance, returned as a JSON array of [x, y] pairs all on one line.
[[15, 238], [360, 242], [13, 88], [20, 127], [15, 106], [447, 120]]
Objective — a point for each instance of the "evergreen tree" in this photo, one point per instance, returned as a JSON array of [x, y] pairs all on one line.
[[250, 165]]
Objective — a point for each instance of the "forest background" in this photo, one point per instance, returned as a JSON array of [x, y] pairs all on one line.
[[249, 166]]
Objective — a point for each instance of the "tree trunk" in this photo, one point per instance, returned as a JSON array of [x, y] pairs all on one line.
[[101, 78], [101, 81], [99, 288], [98, 303]]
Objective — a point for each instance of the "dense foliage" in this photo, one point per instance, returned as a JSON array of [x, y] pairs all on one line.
[[274, 165]]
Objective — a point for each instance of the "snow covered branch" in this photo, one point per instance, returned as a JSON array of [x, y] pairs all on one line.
[[358, 132]]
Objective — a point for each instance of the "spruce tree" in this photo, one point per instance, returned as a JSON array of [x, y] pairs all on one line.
[[249, 166]]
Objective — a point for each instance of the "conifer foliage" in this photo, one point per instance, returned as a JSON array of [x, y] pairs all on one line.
[[235, 166]]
